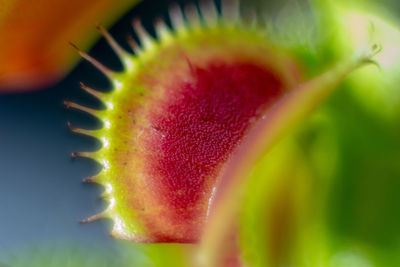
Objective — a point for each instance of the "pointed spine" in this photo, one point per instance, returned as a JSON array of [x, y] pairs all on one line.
[[93, 112], [101, 215], [99, 95], [176, 16], [122, 54], [81, 131], [192, 14], [133, 44], [89, 155], [161, 28], [105, 70], [92, 180], [143, 35]]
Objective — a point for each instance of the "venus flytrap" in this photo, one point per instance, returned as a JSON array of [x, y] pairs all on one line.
[[190, 116]]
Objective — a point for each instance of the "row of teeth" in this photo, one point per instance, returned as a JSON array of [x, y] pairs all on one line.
[[208, 10], [181, 19]]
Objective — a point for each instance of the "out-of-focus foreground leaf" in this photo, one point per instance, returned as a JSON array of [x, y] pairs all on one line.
[[34, 36], [328, 193]]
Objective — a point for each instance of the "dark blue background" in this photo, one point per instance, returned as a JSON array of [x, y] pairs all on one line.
[[42, 197]]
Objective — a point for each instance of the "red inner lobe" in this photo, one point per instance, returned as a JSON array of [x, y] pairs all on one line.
[[194, 131]]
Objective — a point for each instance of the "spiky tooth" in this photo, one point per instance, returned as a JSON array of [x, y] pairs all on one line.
[[161, 28], [92, 180], [192, 14], [96, 217], [133, 44], [121, 53], [99, 95], [105, 70], [143, 35], [176, 17], [93, 112], [90, 155], [91, 133], [230, 10], [209, 11]]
